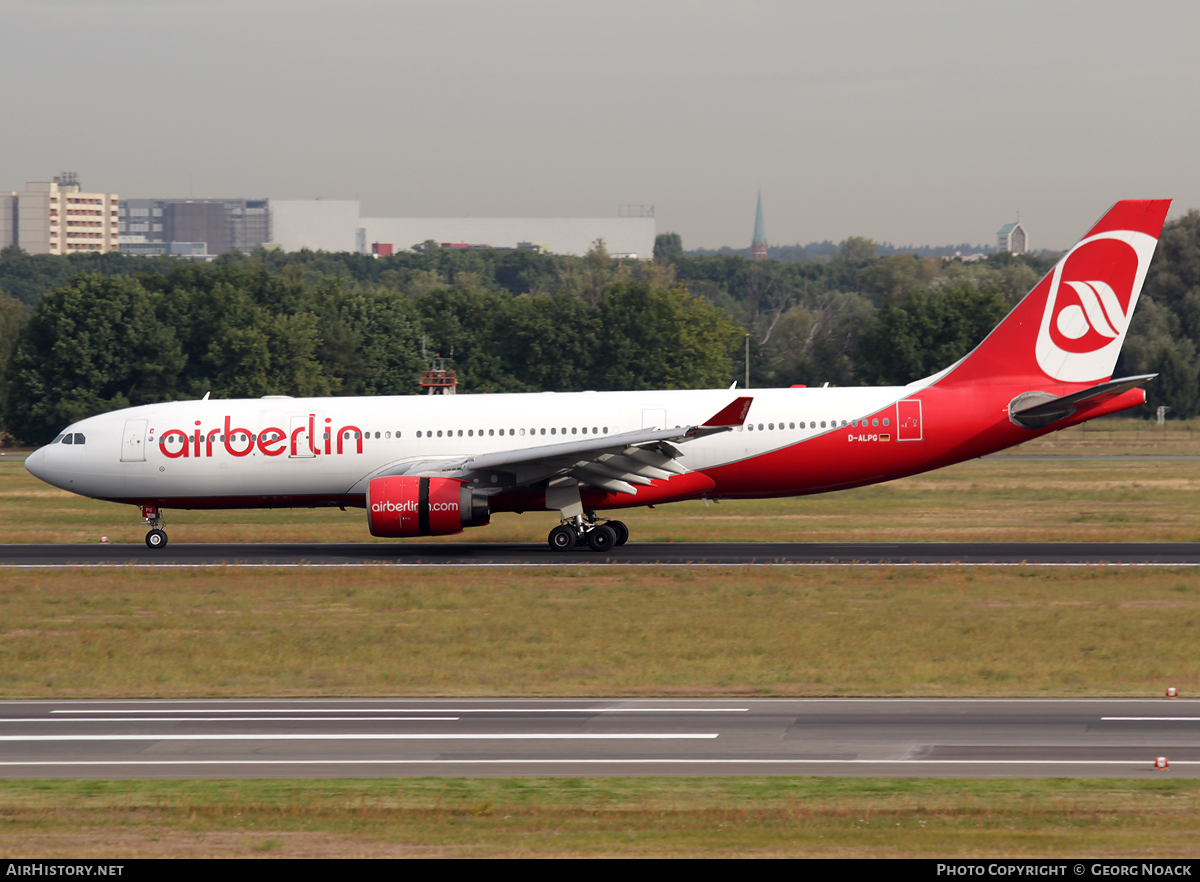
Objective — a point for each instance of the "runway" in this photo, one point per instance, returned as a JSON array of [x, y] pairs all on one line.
[[301, 738], [465, 554]]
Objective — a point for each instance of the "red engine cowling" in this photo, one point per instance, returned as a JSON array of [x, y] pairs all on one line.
[[405, 506]]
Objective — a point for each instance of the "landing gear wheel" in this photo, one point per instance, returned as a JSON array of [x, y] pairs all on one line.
[[562, 538], [602, 538], [156, 539], [621, 530]]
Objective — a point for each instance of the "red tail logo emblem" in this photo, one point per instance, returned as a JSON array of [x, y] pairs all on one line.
[[1091, 308], [1092, 296]]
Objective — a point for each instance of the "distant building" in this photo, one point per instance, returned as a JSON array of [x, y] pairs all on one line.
[[758, 245], [1012, 238], [222, 224], [138, 245], [59, 218], [335, 225]]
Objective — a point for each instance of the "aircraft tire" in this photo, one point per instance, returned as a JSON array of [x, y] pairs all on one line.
[[562, 538], [621, 530], [603, 538], [156, 539]]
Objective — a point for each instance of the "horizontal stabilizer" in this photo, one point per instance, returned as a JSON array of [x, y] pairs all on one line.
[[1035, 410]]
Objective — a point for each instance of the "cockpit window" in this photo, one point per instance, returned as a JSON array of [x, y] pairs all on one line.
[[56, 440], [79, 439], [68, 438]]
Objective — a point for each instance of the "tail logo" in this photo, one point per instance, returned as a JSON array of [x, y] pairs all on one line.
[[1092, 295], [1098, 310]]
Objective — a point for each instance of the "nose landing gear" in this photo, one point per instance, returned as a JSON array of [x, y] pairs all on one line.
[[154, 517], [587, 530]]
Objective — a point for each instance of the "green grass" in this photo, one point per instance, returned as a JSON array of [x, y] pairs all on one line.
[[649, 817], [564, 631]]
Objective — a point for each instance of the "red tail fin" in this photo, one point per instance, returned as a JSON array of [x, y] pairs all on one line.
[[1070, 327]]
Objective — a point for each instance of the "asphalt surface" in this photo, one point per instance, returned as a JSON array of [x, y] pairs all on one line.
[[462, 554], [603, 737]]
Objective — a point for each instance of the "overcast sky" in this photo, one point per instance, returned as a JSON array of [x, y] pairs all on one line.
[[919, 122]]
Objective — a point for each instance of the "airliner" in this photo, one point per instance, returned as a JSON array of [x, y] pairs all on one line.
[[436, 465]]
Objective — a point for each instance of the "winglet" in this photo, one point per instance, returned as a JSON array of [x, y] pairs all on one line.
[[733, 415]]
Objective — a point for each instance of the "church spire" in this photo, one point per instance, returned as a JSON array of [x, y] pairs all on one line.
[[758, 247]]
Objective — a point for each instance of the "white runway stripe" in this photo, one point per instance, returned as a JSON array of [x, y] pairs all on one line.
[[420, 710], [407, 736], [223, 719]]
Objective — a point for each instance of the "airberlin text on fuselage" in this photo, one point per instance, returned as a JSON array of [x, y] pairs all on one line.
[[271, 441]]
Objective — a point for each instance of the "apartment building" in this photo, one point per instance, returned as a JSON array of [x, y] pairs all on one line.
[[57, 217]]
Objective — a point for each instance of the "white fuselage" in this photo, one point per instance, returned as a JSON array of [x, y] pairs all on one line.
[[235, 453]]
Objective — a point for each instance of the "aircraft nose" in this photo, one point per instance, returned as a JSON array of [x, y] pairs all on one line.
[[35, 464]]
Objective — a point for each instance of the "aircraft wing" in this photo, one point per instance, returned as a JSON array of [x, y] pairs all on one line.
[[616, 463]]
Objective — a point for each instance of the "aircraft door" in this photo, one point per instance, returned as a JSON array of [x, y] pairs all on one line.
[[133, 441], [654, 418], [908, 420], [299, 443]]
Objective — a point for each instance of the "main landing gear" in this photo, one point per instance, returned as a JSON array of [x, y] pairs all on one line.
[[157, 537], [587, 530]]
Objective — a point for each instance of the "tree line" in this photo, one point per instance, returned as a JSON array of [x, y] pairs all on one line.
[[81, 334]]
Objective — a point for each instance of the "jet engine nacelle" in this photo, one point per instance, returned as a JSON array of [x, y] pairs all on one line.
[[406, 506]]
